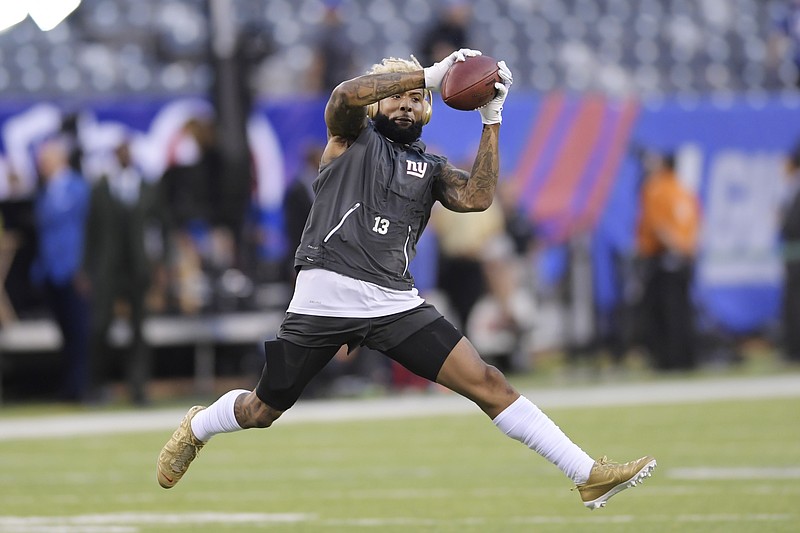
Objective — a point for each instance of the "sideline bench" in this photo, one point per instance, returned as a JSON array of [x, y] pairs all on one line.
[[203, 332]]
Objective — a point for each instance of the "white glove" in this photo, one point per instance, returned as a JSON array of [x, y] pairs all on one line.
[[435, 73], [491, 113]]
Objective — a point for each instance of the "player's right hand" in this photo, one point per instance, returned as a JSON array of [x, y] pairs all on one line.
[[435, 73]]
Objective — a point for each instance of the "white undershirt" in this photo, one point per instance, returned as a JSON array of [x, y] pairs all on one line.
[[321, 292]]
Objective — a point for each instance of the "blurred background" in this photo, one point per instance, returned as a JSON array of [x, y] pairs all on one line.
[[156, 160]]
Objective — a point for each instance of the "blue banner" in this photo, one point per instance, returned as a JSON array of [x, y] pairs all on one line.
[[570, 159]]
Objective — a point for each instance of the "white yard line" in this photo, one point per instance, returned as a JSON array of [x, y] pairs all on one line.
[[424, 405], [131, 522], [737, 473]]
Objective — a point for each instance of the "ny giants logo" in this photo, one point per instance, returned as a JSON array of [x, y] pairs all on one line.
[[416, 168]]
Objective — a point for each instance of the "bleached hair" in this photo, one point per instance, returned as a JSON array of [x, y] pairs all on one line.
[[395, 64]]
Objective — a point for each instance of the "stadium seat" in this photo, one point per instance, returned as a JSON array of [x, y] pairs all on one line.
[[159, 47]]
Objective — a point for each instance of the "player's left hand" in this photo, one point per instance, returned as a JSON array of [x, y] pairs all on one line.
[[492, 113], [435, 73]]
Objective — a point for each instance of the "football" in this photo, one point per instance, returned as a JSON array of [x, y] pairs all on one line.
[[469, 84]]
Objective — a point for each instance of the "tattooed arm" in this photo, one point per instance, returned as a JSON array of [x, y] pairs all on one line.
[[474, 192], [460, 191], [345, 112]]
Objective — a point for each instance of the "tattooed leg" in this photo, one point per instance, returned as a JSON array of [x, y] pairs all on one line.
[[251, 412]]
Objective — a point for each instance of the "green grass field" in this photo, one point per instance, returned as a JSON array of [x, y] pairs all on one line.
[[724, 466]]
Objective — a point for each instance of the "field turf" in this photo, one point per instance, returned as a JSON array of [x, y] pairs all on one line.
[[724, 466]]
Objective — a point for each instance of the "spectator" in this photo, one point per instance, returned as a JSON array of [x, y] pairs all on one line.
[[60, 210], [790, 236], [667, 239], [449, 31], [122, 245], [333, 60], [189, 187], [297, 202], [785, 38], [463, 240], [502, 320]]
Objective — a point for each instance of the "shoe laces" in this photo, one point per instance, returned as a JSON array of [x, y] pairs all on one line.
[[602, 464], [605, 463]]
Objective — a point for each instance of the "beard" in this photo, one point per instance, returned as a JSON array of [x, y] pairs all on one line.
[[388, 128]]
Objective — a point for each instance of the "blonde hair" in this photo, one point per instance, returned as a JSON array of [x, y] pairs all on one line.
[[395, 64]]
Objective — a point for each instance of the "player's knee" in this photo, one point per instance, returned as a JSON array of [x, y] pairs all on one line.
[[494, 392], [495, 380]]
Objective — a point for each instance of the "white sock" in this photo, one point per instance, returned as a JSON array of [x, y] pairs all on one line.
[[217, 417], [525, 422]]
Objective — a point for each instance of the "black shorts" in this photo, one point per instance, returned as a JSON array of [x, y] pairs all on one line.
[[419, 339], [379, 333]]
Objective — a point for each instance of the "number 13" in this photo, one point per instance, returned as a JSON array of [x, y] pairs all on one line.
[[381, 226]]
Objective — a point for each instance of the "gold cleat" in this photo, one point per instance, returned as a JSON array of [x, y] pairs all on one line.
[[179, 451], [607, 478]]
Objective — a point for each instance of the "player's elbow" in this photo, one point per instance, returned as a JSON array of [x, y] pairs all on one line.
[[338, 97], [346, 94], [480, 203]]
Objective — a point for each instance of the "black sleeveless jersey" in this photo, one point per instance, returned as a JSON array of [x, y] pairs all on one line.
[[372, 204]]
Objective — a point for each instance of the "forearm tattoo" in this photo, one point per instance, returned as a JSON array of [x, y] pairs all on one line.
[[345, 111], [459, 191], [368, 89]]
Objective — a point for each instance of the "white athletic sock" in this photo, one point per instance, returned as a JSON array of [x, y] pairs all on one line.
[[217, 417], [525, 422]]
